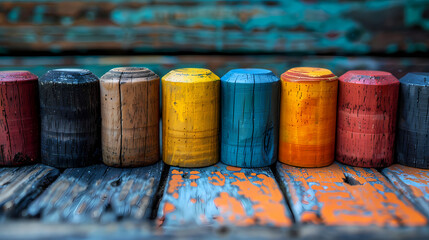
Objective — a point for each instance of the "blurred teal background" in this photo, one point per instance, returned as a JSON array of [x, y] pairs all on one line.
[[388, 35]]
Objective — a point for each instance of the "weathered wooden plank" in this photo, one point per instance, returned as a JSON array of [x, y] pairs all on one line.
[[20, 186], [412, 182], [344, 195], [222, 195], [98, 194], [219, 64], [195, 25]]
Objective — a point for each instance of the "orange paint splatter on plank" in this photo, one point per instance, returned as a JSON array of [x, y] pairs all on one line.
[[176, 172], [194, 177], [193, 200], [176, 195], [195, 172], [371, 202], [168, 208], [174, 184], [234, 169], [194, 184], [253, 174], [218, 180]]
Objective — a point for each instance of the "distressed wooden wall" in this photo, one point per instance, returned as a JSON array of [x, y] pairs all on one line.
[[268, 26]]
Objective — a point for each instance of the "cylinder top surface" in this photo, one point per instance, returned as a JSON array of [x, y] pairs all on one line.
[[416, 78], [250, 75], [191, 75], [308, 74], [12, 76], [369, 77], [127, 74], [69, 76]]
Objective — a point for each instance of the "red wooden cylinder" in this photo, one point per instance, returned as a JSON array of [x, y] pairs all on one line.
[[366, 118], [19, 118]]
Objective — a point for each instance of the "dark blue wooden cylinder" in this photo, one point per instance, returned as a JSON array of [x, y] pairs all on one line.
[[70, 118], [249, 117], [412, 138]]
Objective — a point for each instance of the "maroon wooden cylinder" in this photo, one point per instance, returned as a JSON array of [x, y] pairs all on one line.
[[19, 118], [366, 118]]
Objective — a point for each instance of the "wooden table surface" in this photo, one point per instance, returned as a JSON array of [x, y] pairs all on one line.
[[39, 201]]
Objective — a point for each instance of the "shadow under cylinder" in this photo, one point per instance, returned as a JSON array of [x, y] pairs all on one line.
[[190, 117], [129, 117], [19, 118], [70, 118], [307, 117], [412, 136], [366, 118], [249, 117]]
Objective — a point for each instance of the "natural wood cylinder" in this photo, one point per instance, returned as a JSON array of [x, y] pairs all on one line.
[[70, 118], [129, 117], [307, 117], [366, 120], [190, 113], [412, 136], [250, 101], [19, 118]]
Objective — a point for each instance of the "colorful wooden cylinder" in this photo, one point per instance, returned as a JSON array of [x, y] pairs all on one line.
[[70, 118], [190, 117], [412, 139], [129, 99], [19, 118], [249, 117], [307, 117], [367, 105]]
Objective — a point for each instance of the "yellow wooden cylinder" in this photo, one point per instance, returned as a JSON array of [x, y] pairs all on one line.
[[190, 112], [307, 117]]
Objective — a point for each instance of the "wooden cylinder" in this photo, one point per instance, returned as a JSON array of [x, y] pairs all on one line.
[[129, 98], [70, 118], [307, 117], [249, 117], [19, 118], [412, 139], [190, 112], [367, 105]]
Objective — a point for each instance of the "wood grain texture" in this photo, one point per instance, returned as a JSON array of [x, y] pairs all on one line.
[[70, 118], [19, 118], [222, 195], [190, 113], [250, 101], [366, 118], [412, 142], [98, 194], [345, 195], [307, 117], [19, 186], [130, 117], [413, 183], [218, 26]]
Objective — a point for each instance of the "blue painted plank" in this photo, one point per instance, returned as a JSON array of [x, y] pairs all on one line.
[[249, 117]]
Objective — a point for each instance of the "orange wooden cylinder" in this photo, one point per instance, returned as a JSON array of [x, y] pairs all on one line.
[[307, 117]]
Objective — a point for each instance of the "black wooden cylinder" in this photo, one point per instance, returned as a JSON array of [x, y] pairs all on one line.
[[412, 138], [70, 118]]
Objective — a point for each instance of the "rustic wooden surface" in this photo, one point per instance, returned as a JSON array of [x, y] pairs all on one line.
[[222, 195], [412, 182], [19, 186], [250, 100], [130, 117], [345, 195], [191, 114], [98, 194], [69, 118], [308, 112], [336, 26], [19, 118], [366, 120]]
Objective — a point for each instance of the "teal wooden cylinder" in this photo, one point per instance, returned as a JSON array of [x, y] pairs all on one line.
[[249, 117]]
